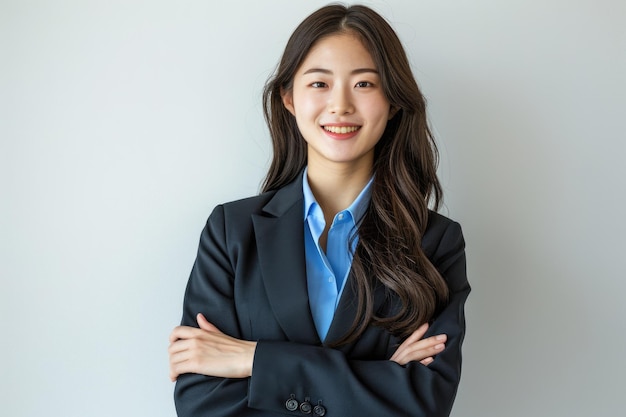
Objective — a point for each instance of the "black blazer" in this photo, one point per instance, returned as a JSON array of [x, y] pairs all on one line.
[[249, 280]]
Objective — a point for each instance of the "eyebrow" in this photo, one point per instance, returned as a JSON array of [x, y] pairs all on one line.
[[327, 71]]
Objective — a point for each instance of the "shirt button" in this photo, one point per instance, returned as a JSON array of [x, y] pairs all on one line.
[[331, 279], [340, 216]]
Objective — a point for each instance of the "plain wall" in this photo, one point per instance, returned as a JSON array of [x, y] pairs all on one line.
[[122, 123]]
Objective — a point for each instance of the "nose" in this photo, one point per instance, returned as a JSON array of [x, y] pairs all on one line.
[[340, 101]]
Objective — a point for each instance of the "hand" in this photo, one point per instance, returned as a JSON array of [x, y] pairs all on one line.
[[414, 348], [208, 351]]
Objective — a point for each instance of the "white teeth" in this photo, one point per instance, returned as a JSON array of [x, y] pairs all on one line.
[[341, 129]]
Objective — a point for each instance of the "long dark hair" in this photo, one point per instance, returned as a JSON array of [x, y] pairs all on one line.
[[389, 249]]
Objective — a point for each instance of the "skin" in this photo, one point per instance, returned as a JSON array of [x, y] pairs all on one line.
[[336, 86]]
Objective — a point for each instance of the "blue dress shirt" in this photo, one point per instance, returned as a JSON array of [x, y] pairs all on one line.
[[327, 272]]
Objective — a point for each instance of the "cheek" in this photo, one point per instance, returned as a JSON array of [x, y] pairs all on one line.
[[377, 108], [308, 101], [306, 116]]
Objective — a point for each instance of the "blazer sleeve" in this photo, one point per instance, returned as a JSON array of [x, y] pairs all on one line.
[[321, 375], [210, 290], [348, 387]]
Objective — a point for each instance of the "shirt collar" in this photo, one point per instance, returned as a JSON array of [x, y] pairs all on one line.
[[357, 208]]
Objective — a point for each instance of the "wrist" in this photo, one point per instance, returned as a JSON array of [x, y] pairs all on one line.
[[249, 362]]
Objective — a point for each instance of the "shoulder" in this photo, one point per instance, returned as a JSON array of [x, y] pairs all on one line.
[[443, 239], [238, 213], [232, 221], [274, 203], [439, 224], [247, 206], [271, 203]]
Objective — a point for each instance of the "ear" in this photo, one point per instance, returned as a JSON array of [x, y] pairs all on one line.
[[393, 110], [287, 97]]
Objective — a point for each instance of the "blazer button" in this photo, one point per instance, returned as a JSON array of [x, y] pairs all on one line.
[[306, 407], [291, 404], [319, 410]]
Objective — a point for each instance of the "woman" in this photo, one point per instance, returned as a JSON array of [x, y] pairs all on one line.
[[336, 291]]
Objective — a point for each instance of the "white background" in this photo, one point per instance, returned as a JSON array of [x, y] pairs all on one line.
[[122, 123]]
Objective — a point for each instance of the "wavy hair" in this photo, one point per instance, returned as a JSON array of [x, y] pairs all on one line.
[[389, 251]]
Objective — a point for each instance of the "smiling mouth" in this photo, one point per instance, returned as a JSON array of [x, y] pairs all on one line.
[[341, 129]]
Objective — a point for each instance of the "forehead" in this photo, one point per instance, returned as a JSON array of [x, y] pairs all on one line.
[[339, 50]]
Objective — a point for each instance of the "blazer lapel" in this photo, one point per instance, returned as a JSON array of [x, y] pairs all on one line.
[[347, 310], [344, 314], [280, 243]]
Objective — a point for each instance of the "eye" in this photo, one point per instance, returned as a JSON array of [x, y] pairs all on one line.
[[318, 84], [364, 84]]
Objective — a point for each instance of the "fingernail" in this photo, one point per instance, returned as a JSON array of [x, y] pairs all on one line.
[[441, 337], [440, 346]]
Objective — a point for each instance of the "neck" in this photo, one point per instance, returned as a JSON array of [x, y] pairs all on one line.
[[335, 187]]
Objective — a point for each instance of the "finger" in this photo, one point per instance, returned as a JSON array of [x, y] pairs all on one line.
[[175, 371], [205, 324], [420, 350], [417, 334], [430, 345], [177, 361], [173, 335], [177, 358], [400, 355], [413, 337], [427, 343], [183, 332], [178, 346], [414, 341], [427, 361], [422, 353]]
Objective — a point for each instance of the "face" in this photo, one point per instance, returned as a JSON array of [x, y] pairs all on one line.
[[338, 102]]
